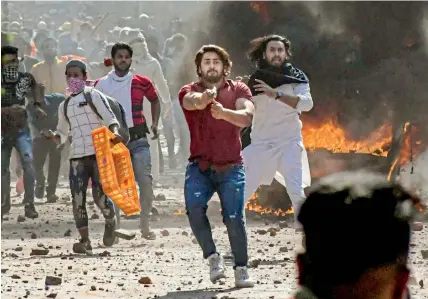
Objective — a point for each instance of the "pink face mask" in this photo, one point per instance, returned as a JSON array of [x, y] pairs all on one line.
[[75, 85]]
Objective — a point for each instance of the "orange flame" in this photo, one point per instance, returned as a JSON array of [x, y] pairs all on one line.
[[179, 212], [260, 8], [253, 205], [329, 135]]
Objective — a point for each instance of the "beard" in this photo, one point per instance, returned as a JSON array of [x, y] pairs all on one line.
[[123, 68], [212, 76], [276, 62]]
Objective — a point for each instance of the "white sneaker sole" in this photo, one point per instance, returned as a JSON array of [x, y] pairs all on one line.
[[242, 285]]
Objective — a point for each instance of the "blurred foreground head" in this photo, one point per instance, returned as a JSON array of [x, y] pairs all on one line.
[[357, 228]]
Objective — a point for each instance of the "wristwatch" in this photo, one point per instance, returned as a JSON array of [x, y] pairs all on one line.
[[278, 95]]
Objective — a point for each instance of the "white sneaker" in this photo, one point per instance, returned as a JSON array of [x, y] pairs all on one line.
[[216, 267], [242, 279]]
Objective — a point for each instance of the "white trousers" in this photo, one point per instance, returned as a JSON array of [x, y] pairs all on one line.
[[262, 161]]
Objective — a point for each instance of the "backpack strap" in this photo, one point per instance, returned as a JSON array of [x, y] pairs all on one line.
[[67, 100], [88, 98]]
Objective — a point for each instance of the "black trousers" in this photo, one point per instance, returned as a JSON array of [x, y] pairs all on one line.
[[41, 149]]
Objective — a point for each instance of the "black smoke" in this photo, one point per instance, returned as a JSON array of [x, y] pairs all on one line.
[[366, 60]]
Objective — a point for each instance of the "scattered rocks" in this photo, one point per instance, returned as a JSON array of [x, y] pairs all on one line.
[[421, 283], [159, 253], [277, 282], [67, 233], [273, 230], [194, 241], [15, 276], [93, 288], [145, 280], [424, 254], [165, 233], [261, 232], [33, 235], [283, 224], [53, 280], [105, 253], [21, 218], [185, 233], [37, 251], [120, 284], [3, 270], [255, 263], [52, 295], [19, 249], [283, 249]]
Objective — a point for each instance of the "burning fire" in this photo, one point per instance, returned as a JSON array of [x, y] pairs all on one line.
[[261, 8], [329, 135], [253, 205], [179, 212]]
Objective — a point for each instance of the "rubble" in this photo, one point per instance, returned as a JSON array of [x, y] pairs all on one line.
[[145, 280], [53, 280], [37, 251]]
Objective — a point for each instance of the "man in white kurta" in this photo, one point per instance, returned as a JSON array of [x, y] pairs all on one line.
[[276, 137]]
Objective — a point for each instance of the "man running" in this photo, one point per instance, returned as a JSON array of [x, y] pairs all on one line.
[[281, 94], [130, 90], [216, 109]]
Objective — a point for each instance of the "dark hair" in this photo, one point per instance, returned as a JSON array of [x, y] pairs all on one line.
[[354, 221], [259, 45], [9, 50], [121, 46], [222, 53]]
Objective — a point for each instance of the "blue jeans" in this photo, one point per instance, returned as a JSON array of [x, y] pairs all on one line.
[[23, 143], [142, 166], [199, 187]]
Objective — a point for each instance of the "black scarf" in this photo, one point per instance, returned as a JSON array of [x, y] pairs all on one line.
[[273, 78]]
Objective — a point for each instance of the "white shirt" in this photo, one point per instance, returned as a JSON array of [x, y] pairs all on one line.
[[82, 122], [276, 122]]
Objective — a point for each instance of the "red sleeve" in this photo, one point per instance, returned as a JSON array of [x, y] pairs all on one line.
[[148, 88], [96, 82], [243, 91], [183, 91]]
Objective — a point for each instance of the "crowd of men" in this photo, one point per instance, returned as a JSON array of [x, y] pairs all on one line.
[[61, 99]]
